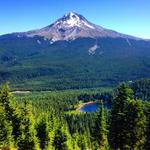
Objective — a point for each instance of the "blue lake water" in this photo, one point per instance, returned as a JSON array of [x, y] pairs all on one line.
[[90, 107]]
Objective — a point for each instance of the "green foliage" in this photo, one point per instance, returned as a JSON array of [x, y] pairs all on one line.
[[128, 121], [141, 89], [100, 129], [60, 140], [135, 127], [43, 129], [20, 122], [11, 110], [43, 120], [68, 65], [28, 139], [118, 120], [147, 112], [6, 139]]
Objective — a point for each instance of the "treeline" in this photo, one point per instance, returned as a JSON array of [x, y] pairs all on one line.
[[45, 122], [141, 89]]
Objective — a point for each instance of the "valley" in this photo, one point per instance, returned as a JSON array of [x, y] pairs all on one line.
[[56, 117], [74, 85]]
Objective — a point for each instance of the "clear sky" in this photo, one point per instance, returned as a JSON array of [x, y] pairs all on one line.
[[126, 16]]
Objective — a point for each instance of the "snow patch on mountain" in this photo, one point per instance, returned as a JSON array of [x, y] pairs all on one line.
[[128, 42], [39, 42], [88, 25], [93, 49]]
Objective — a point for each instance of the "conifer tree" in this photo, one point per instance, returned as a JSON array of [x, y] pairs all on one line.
[[28, 139], [128, 122], [69, 139], [12, 111], [43, 132], [60, 139], [135, 128], [6, 139], [118, 118], [53, 122], [100, 129], [147, 112], [75, 141]]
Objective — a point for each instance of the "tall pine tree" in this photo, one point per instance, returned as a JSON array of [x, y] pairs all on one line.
[[118, 118], [43, 130], [100, 129], [147, 112], [28, 139], [135, 128], [6, 139], [12, 111], [127, 124]]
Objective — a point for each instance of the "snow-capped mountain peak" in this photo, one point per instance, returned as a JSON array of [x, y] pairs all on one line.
[[72, 26], [73, 19], [71, 15]]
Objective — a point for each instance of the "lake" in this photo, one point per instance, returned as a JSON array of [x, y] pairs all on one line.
[[91, 107]]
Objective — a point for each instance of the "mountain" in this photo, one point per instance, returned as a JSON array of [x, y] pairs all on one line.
[[72, 53], [72, 26]]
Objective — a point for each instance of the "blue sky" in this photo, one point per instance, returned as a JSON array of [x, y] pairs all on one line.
[[126, 16]]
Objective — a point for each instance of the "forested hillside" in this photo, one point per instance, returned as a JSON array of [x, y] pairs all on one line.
[[51, 121], [141, 89], [28, 65]]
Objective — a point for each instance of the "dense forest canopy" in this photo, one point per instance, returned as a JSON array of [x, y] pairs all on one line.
[[51, 121], [28, 65]]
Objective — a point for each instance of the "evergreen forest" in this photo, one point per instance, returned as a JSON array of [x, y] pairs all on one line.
[[51, 121]]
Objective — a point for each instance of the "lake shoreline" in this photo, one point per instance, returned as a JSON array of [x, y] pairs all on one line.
[[84, 104]]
